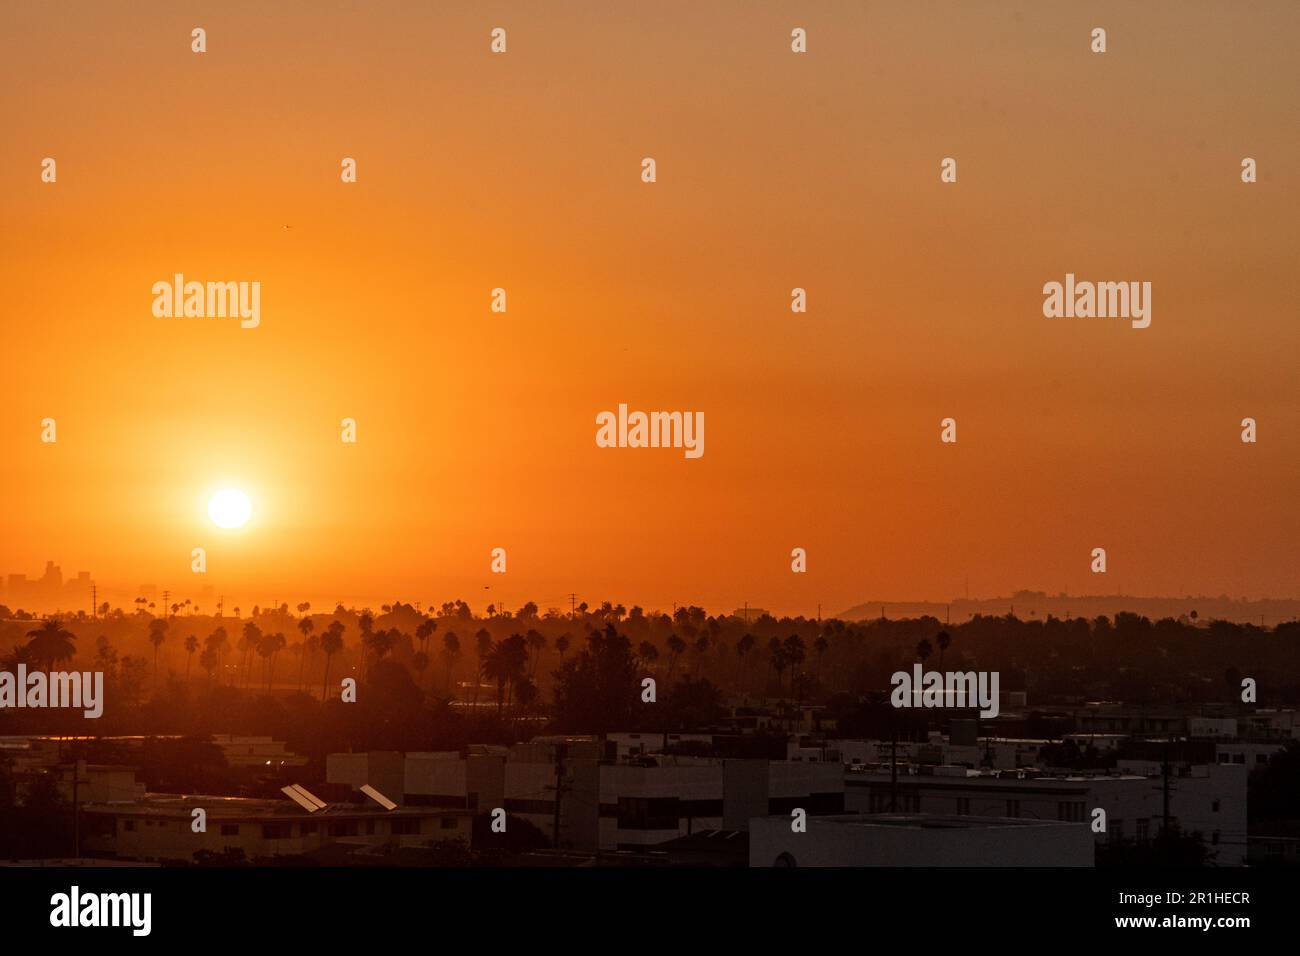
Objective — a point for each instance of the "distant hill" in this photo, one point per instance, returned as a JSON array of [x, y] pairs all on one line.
[[1028, 605]]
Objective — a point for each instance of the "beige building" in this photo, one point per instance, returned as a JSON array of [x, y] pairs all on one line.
[[160, 827]]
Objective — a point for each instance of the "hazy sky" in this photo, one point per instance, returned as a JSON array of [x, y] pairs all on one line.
[[775, 170]]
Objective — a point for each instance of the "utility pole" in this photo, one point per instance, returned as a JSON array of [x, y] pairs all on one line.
[[166, 599], [94, 601], [573, 600], [1164, 786], [77, 767], [893, 766], [560, 750]]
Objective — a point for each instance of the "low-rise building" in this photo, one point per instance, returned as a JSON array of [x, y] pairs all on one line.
[[632, 803], [1205, 798], [160, 827], [918, 840]]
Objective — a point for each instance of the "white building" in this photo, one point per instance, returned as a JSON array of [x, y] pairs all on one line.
[[1207, 798], [628, 804]]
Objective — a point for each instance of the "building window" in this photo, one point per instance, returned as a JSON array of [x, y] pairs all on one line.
[[1214, 807], [307, 829], [276, 831], [405, 827], [1013, 808], [648, 813], [343, 828], [1116, 830], [447, 823], [963, 806], [370, 827], [1143, 830], [230, 829], [128, 825]]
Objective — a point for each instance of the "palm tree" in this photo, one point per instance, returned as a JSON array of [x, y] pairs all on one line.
[[820, 645], [743, 647], [647, 652], [526, 695], [191, 645], [267, 648], [795, 653], [331, 642], [381, 642], [208, 660], [562, 644], [309, 648], [424, 631], [505, 663], [482, 647], [420, 663], [676, 647], [365, 623], [306, 627], [777, 660], [450, 651], [248, 644], [19, 654], [216, 642], [51, 643], [105, 655], [536, 643], [495, 667], [157, 634], [701, 649], [944, 640]]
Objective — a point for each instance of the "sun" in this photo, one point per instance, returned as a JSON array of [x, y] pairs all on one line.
[[230, 508]]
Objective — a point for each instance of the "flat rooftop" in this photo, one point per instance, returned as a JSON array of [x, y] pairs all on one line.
[[931, 821], [180, 806]]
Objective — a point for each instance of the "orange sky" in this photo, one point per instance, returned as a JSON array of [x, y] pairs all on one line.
[[775, 170]]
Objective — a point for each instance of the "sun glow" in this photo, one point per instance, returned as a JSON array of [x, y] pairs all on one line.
[[230, 508]]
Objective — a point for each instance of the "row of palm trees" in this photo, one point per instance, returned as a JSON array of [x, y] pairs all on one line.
[[511, 664]]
